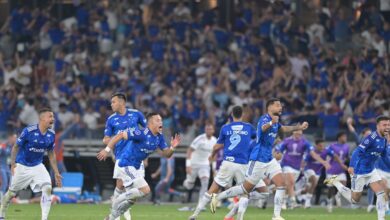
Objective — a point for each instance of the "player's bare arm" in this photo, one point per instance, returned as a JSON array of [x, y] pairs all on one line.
[[14, 152], [53, 164], [175, 141], [216, 148], [319, 159], [337, 158], [106, 140], [190, 150], [287, 129], [275, 120], [103, 154]]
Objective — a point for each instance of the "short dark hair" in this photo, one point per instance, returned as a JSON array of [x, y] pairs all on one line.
[[44, 110], [237, 111], [341, 133], [151, 114], [271, 101], [318, 141], [382, 118], [120, 95]]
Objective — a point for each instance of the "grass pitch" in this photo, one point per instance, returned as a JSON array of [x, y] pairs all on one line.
[[169, 212]]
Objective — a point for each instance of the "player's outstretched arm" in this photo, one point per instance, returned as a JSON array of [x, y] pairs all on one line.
[[103, 154], [287, 129], [175, 141], [53, 164], [14, 152], [319, 159], [216, 148]]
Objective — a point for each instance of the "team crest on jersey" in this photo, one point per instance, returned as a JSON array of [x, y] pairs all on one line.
[[36, 134], [137, 132], [366, 141]]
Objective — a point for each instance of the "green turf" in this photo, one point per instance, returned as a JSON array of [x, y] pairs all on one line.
[[169, 212]]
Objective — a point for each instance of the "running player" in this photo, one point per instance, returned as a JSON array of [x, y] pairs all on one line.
[[235, 139], [122, 119], [262, 164], [341, 149], [143, 142], [197, 162], [5, 172], [26, 163], [361, 167], [294, 148]]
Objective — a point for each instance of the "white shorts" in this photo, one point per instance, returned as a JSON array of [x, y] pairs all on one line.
[[340, 177], [258, 171], [117, 168], [131, 177], [358, 181], [309, 173], [200, 171], [229, 171], [385, 176], [36, 177], [295, 172]]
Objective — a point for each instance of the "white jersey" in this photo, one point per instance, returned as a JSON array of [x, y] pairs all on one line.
[[202, 149]]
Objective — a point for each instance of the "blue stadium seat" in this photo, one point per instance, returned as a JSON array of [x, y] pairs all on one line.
[[72, 184]]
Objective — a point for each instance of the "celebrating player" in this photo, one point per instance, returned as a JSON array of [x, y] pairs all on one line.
[[123, 119], [361, 167], [197, 163], [294, 148], [142, 143], [235, 138], [262, 164], [337, 167], [26, 163]]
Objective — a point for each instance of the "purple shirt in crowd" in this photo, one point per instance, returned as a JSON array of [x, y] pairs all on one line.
[[342, 151], [293, 149]]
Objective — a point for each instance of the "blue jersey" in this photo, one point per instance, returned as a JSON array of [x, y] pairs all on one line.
[[236, 138], [369, 150], [141, 143], [117, 123], [383, 164], [265, 139], [33, 144]]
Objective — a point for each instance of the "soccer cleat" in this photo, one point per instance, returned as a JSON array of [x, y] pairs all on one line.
[[228, 218], [192, 217], [213, 203], [330, 180], [277, 218], [371, 208]]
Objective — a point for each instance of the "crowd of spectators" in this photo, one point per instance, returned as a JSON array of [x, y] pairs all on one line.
[[190, 67]]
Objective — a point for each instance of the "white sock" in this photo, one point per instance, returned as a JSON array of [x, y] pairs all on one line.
[[117, 192], [127, 214], [5, 202], [344, 191], [46, 201], [308, 199], [231, 192], [204, 183], [278, 201], [123, 202], [233, 211], [203, 201], [381, 205], [242, 205]]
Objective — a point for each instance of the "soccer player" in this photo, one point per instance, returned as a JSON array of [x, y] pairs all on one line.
[[383, 168], [26, 162], [294, 148], [122, 119], [235, 139], [313, 167], [262, 164], [142, 143], [166, 171], [5, 152], [197, 162], [338, 168], [361, 167]]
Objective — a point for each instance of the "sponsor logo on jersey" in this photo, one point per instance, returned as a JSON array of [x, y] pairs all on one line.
[[36, 150]]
